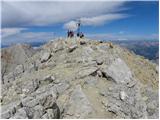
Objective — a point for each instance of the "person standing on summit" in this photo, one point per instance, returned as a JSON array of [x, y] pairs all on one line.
[[78, 30], [79, 34], [70, 33]]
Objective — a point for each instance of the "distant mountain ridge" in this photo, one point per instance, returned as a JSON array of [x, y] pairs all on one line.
[[147, 49], [33, 44]]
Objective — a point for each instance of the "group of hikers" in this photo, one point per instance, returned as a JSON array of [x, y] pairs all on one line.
[[70, 33]]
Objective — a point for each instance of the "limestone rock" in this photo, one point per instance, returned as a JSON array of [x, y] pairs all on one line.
[[30, 86], [122, 95], [48, 79], [99, 61], [15, 55], [72, 48], [79, 105], [77, 78], [58, 45], [18, 70], [9, 78], [62, 87], [30, 102], [38, 111], [118, 71], [91, 81], [53, 113], [21, 113], [123, 104], [86, 71], [7, 111], [45, 56]]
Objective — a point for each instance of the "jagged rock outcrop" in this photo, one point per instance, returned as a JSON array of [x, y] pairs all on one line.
[[13, 56], [80, 78]]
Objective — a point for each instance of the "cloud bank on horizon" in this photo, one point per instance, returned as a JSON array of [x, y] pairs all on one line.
[[18, 17]]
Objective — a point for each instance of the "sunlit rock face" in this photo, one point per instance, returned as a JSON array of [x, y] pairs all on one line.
[[77, 78]]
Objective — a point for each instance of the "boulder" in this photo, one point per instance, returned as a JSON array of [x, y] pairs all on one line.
[[41, 104], [99, 61], [118, 71], [49, 104], [122, 95], [50, 113], [47, 79], [30, 102], [45, 116], [45, 57], [47, 101], [54, 112], [72, 48], [86, 71], [79, 105]]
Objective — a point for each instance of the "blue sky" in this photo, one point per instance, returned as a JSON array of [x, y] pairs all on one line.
[[42, 21]]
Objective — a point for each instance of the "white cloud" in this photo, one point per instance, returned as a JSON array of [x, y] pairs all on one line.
[[72, 25], [19, 15], [11, 31], [94, 21], [42, 13], [98, 20]]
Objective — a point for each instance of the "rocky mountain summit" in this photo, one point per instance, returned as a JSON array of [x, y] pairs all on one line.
[[78, 78]]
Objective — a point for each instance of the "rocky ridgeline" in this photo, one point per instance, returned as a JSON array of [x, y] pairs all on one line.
[[80, 78]]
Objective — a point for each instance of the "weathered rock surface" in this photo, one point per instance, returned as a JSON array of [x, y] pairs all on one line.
[[45, 56], [118, 71], [15, 55], [122, 103], [77, 78], [78, 106]]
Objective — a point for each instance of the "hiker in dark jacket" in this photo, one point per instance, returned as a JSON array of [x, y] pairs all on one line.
[[70, 34], [81, 35]]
